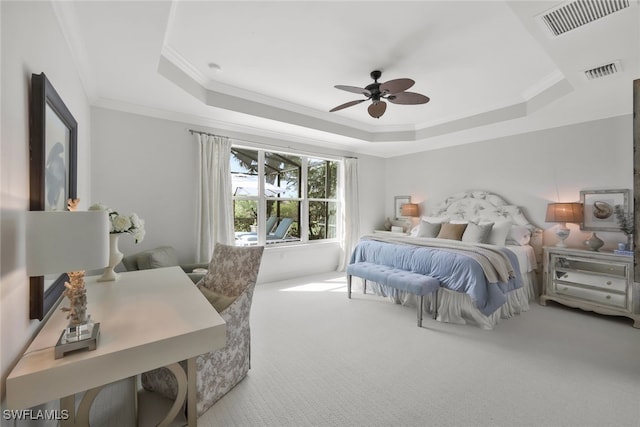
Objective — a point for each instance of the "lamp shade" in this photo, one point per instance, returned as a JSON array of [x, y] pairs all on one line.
[[58, 242], [409, 209], [565, 212]]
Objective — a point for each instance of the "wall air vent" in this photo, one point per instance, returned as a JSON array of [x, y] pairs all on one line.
[[577, 13], [603, 70]]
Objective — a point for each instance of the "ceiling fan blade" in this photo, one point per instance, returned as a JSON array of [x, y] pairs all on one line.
[[354, 89], [347, 104], [377, 109], [408, 98], [397, 85]]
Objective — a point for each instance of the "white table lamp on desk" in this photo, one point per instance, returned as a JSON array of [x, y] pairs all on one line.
[[72, 242]]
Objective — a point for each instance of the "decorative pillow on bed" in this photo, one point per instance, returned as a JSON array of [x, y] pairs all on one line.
[[476, 233], [428, 229], [452, 231], [499, 232], [459, 221], [435, 219], [518, 235]]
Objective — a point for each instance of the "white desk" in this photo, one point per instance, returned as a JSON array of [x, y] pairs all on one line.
[[148, 319]]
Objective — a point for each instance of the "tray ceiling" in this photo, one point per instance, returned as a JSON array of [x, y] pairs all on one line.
[[491, 68]]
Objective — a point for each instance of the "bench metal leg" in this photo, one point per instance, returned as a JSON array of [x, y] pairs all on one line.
[[349, 285], [420, 305], [435, 301]]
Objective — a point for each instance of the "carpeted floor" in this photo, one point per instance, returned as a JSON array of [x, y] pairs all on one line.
[[320, 359]]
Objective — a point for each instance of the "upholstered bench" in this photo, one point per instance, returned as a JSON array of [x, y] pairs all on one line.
[[408, 281]]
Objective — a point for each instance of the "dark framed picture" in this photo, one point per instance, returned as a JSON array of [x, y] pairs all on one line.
[[398, 201], [599, 208], [53, 151]]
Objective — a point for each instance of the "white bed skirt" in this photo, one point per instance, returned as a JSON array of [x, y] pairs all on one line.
[[457, 307]]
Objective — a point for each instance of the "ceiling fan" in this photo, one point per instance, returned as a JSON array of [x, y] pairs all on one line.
[[393, 91]]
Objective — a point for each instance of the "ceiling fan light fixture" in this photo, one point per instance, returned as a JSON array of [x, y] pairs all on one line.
[[393, 91], [377, 109]]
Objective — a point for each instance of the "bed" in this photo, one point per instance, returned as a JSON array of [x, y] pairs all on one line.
[[488, 271]]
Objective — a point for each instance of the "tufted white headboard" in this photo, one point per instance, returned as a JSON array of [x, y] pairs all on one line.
[[486, 206]]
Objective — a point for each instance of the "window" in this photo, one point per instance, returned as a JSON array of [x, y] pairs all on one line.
[[283, 197]]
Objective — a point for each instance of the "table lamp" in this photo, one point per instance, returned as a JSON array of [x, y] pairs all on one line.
[[72, 242], [563, 213], [409, 210]]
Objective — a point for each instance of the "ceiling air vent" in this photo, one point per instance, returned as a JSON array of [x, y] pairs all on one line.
[[574, 14], [603, 70]]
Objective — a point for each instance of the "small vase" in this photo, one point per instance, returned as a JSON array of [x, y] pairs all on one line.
[[387, 224], [594, 242], [115, 256]]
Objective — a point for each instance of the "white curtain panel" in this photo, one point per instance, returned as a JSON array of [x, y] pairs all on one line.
[[351, 212], [215, 203]]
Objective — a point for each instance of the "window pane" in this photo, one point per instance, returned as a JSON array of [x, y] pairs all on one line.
[[322, 179], [283, 171], [244, 161], [287, 227], [322, 220], [245, 217], [283, 196]]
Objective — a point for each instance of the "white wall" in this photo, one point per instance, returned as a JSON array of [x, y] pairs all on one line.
[[32, 42], [528, 170], [150, 166]]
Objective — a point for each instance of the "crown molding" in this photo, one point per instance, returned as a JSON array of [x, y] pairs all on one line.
[[195, 120]]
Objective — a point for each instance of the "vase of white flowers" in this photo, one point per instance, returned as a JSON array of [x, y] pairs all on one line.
[[118, 225]]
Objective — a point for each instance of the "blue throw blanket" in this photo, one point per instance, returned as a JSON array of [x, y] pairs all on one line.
[[456, 271]]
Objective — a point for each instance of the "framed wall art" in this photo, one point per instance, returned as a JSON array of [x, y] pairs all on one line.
[[398, 201], [53, 147], [599, 207]]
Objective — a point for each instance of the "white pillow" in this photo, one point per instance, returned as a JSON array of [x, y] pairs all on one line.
[[435, 219], [477, 233], [519, 235], [499, 232], [429, 229]]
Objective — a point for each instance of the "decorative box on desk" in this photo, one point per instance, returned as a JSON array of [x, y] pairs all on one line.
[[594, 281]]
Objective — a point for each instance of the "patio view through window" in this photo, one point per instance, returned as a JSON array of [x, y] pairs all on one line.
[[283, 197]]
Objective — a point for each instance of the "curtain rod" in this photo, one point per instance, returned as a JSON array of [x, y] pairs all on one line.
[[193, 131]]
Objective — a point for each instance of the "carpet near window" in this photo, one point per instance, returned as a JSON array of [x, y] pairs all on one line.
[[320, 359]]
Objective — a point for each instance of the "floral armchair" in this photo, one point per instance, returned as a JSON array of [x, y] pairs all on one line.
[[229, 286]]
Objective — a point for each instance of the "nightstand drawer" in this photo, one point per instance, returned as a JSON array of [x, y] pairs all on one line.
[[591, 266], [605, 298], [607, 283]]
